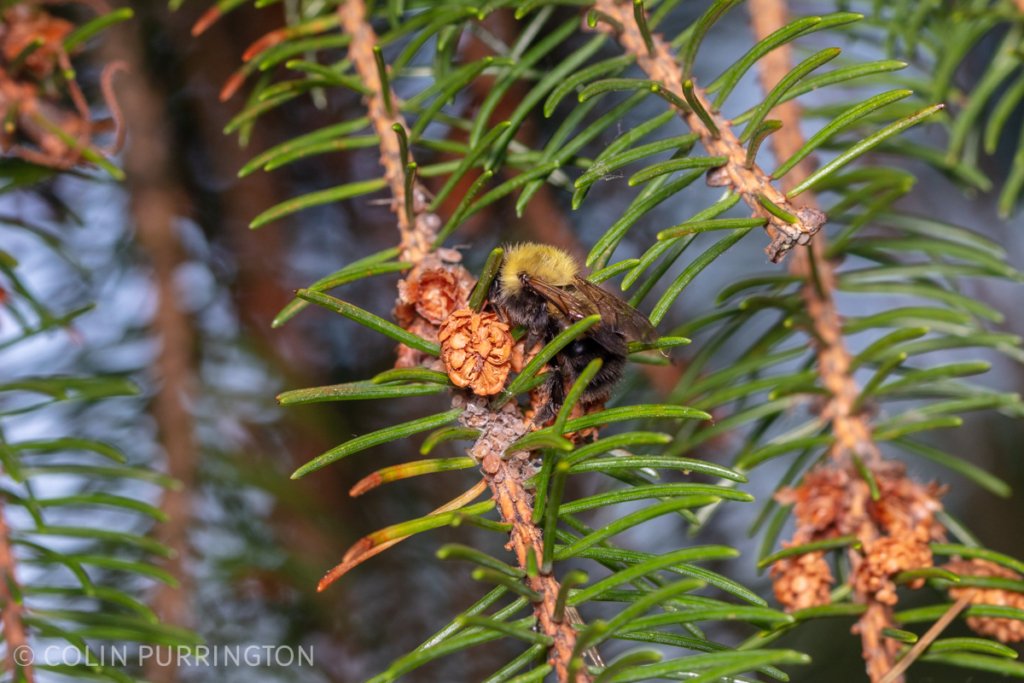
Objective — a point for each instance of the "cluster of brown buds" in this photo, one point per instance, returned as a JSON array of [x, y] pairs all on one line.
[[886, 557], [894, 528], [46, 118], [476, 348], [802, 581]]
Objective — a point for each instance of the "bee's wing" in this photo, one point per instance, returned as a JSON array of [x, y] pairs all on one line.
[[584, 298], [616, 312], [567, 300]]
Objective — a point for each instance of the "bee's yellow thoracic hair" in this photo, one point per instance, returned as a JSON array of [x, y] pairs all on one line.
[[539, 261]]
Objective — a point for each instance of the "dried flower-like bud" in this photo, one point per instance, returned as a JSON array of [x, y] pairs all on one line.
[[836, 501], [904, 503], [821, 501], [1004, 630], [476, 349], [440, 293], [434, 294], [426, 298], [887, 556], [802, 581]]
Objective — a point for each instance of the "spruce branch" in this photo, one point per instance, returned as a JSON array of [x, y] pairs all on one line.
[[852, 427], [505, 475], [657, 61], [854, 442], [499, 427], [12, 610]]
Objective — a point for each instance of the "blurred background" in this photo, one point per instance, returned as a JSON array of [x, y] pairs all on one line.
[[185, 293]]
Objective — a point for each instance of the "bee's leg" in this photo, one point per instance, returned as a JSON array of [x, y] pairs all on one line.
[[600, 388], [554, 389], [532, 340]]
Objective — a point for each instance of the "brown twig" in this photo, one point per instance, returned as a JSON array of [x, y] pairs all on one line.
[[11, 610], [751, 183], [896, 673], [850, 426], [505, 476], [39, 127], [418, 230]]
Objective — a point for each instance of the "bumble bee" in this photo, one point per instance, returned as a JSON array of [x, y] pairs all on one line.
[[540, 288]]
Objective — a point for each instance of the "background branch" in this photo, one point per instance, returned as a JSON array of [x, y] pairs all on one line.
[[851, 425], [157, 203]]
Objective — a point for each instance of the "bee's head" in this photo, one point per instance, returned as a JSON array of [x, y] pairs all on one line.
[[529, 261]]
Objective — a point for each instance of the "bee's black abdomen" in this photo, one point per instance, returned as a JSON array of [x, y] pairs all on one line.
[[577, 356], [529, 309]]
